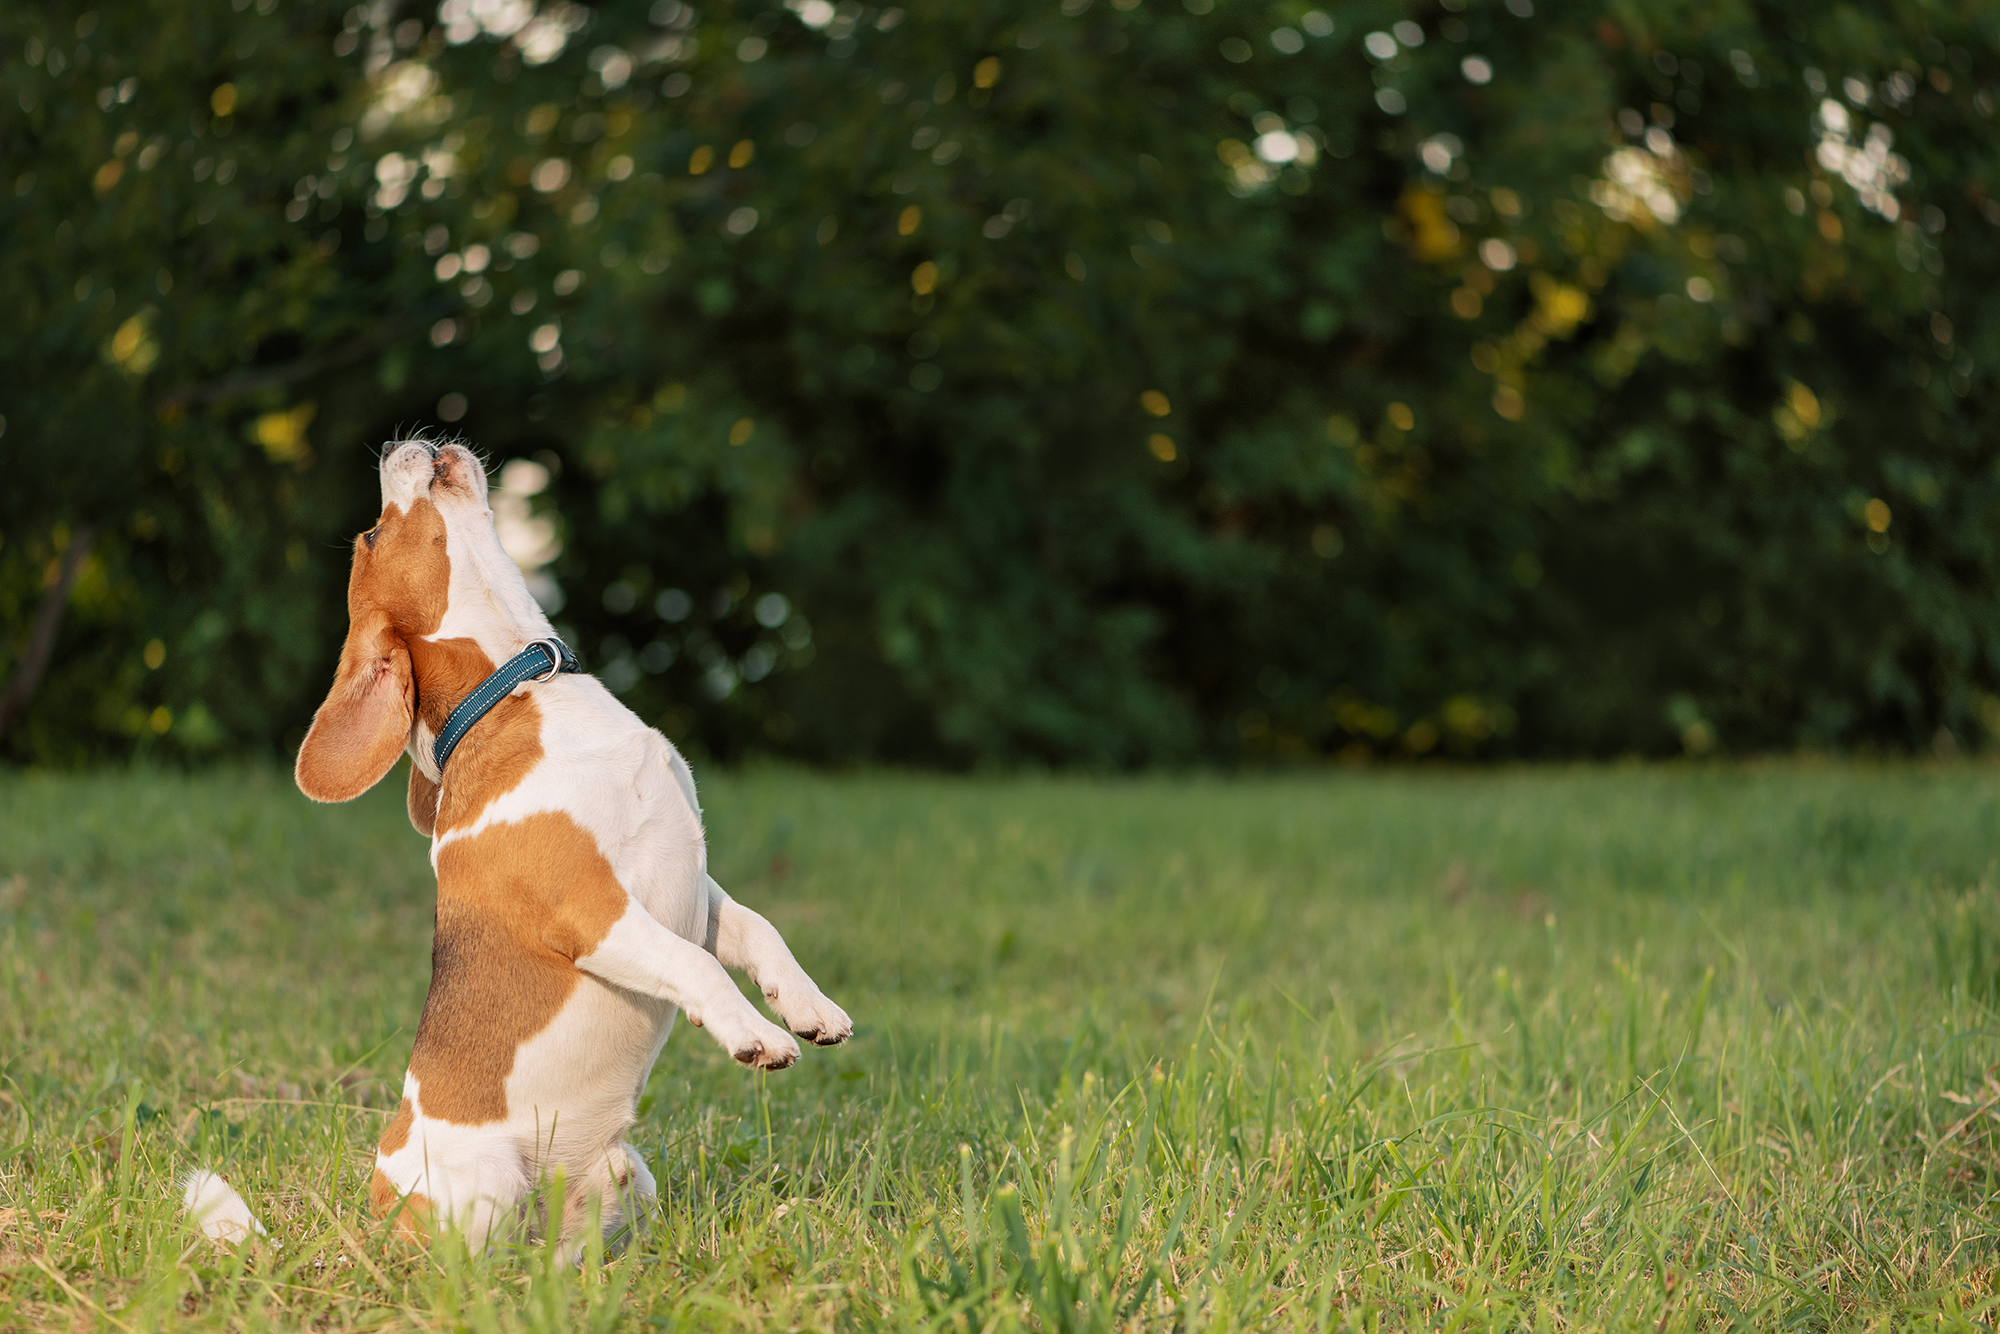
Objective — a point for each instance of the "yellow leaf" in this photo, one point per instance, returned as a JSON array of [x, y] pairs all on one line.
[[1804, 403], [133, 349], [283, 433], [1560, 306], [1432, 235]]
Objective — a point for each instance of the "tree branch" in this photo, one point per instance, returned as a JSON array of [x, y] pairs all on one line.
[[48, 618], [276, 377]]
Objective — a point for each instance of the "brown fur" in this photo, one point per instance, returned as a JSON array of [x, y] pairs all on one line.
[[447, 670], [416, 1210], [493, 757], [517, 905], [492, 761], [398, 1133], [408, 570], [500, 749], [382, 1196]]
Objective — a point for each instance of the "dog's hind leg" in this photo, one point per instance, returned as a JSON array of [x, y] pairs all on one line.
[[620, 1191], [742, 939]]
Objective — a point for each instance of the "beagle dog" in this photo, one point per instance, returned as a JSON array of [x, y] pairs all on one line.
[[575, 912]]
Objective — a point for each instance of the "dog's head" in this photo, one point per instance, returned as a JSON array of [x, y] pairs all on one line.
[[429, 578]]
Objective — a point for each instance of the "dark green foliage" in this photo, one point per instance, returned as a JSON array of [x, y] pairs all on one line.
[[989, 398]]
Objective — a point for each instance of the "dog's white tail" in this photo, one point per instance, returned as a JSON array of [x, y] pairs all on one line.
[[217, 1209]]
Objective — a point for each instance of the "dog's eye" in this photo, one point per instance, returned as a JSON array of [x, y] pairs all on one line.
[[369, 537]]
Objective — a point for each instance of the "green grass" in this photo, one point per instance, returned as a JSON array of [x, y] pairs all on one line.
[[1659, 1048]]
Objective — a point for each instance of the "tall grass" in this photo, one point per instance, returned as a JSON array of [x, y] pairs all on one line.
[[1605, 1048]]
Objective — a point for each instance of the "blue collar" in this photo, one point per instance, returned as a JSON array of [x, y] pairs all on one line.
[[538, 661]]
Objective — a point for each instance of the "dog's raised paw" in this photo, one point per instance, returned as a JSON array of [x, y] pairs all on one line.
[[819, 1021], [762, 1055], [757, 1042]]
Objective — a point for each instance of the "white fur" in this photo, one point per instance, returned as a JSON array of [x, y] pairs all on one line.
[[217, 1209], [575, 1085]]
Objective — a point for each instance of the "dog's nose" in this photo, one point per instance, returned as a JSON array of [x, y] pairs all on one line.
[[407, 455]]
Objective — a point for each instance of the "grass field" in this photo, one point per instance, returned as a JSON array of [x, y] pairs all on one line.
[[1612, 1048]]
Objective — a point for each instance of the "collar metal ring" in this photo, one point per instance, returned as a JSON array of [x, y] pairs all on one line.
[[554, 647]]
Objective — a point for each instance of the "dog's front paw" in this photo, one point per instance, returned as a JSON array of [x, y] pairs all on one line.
[[808, 1013], [770, 1050], [752, 1039]]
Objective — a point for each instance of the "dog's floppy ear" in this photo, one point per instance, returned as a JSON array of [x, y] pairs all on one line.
[[365, 722]]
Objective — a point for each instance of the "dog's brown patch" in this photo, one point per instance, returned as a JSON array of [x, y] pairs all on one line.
[[518, 904], [382, 1199], [493, 760], [382, 1196], [398, 1132], [497, 753], [447, 670], [406, 571]]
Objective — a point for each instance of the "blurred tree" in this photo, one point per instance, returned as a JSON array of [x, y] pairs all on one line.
[[170, 290], [1124, 383]]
